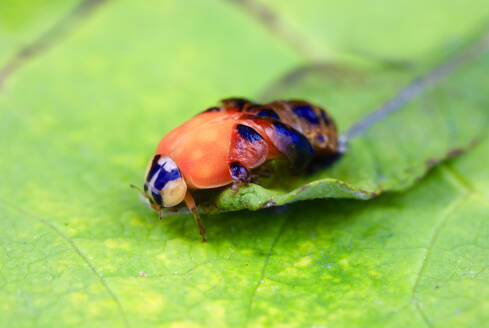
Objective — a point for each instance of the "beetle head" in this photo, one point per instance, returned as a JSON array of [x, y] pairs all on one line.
[[164, 185]]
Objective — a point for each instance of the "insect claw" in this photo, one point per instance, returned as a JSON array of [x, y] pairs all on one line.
[[199, 224], [202, 233], [235, 187]]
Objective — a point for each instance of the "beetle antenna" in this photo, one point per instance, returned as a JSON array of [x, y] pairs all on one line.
[[138, 189]]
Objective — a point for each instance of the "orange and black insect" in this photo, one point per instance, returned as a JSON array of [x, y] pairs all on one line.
[[222, 145]]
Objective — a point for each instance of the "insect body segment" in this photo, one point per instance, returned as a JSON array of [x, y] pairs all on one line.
[[308, 119], [164, 184], [222, 145]]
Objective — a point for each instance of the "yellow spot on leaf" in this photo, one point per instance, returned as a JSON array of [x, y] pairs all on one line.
[[305, 261], [184, 324], [344, 262], [78, 298], [112, 243], [137, 222], [162, 257], [154, 302]]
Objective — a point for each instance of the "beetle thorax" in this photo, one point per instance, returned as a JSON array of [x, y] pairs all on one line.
[[164, 185]]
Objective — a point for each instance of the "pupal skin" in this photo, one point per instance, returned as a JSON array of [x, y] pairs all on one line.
[[222, 145]]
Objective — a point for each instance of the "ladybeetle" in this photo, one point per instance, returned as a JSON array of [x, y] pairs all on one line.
[[221, 145]]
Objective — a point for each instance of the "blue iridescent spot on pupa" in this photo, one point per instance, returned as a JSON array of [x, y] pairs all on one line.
[[248, 133], [325, 118], [268, 113], [320, 138], [165, 176], [306, 112], [239, 172], [298, 149], [157, 197], [154, 167]]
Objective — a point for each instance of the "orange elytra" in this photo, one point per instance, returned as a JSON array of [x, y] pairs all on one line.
[[221, 145]]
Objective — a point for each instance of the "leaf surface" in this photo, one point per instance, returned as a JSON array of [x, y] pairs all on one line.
[[392, 153], [79, 122], [21, 22]]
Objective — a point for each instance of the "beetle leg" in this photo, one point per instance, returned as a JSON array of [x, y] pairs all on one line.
[[240, 175], [189, 200]]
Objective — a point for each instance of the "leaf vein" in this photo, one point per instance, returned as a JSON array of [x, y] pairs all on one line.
[[263, 270], [48, 38], [78, 251], [419, 85], [278, 27], [434, 237]]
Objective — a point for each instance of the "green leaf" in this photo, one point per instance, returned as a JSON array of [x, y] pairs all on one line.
[[22, 21], [395, 32], [79, 122], [391, 154]]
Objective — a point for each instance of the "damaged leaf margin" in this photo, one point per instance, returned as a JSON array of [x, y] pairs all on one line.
[[445, 134]]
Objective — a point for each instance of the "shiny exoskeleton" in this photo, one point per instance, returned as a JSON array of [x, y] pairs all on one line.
[[221, 145]]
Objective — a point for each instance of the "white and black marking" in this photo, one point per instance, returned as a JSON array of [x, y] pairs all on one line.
[[249, 134], [162, 171]]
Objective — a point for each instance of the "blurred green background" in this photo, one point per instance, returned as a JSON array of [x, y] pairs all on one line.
[[87, 89]]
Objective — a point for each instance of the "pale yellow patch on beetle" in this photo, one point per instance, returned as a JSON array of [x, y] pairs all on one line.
[[205, 170], [209, 135], [173, 192], [197, 154]]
